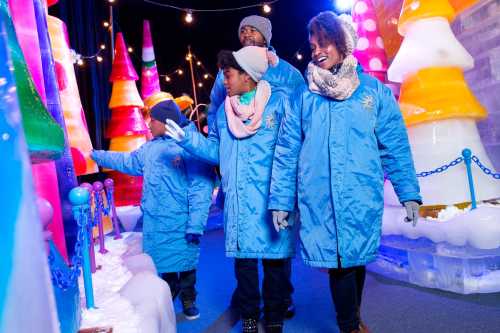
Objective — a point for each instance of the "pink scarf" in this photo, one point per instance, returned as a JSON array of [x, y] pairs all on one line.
[[237, 113]]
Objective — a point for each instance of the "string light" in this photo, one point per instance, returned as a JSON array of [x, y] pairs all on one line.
[[189, 16], [299, 56], [105, 24], [266, 8], [192, 10], [111, 1], [180, 71], [103, 47], [130, 49], [99, 58], [80, 62]]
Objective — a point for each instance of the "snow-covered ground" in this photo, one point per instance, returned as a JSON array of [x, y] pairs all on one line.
[[479, 228], [128, 294]]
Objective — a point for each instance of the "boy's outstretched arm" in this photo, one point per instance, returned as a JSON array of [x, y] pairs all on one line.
[[129, 163]]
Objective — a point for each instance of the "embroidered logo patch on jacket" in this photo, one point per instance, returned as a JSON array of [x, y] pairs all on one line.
[[368, 102]]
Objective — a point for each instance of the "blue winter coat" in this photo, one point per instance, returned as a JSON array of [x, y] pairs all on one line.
[[284, 77], [331, 155], [176, 196], [245, 166]]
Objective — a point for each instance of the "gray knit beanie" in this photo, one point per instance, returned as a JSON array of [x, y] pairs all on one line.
[[262, 24]]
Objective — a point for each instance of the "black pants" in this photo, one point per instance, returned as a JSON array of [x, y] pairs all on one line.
[[288, 299], [346, 287], [183, 283], [275, 288]]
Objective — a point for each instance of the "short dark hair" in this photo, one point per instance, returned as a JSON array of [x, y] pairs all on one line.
[[326, 26], [226, 59]]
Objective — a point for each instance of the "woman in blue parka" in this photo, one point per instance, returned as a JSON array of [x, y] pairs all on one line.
[[242, 142], [342, 133], [176, 197]]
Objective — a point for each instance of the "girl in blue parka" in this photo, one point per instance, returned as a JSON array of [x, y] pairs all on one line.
[[255, 30], [342, 133], [176, 197], [242, 142]]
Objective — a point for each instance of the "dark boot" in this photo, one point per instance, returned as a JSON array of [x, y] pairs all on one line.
[[249, 325]]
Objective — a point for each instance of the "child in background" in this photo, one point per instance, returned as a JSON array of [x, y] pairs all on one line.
[[176, 196]]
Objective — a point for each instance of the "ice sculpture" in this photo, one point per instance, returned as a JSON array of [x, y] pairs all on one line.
[[78, 135], [150, 82], [127, 128], [22, 245], [370, 48], [453, 247]]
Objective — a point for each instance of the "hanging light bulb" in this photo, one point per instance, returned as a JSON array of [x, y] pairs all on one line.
[[167, 78], [103, 47], [189, 16], [205, 76], [189, 56], [200, 84], [130, 49], [299, 56], [111, 1], [198, 63], [99, 58], [80, 62], [266, 8], [344, 6], [180, 71], [105, 24]]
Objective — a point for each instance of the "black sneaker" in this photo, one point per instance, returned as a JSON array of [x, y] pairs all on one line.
[[290, 309], [249, 325], [190, 310], [274, 328]]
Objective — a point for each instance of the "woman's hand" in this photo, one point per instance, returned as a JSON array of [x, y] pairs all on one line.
[[412, 208]]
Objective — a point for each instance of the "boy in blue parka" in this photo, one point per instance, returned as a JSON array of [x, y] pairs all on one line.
[[176, 196], [242, 141]]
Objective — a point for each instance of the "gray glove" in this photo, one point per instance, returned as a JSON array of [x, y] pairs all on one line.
[[279, 219], [173, 130], [412, 208]]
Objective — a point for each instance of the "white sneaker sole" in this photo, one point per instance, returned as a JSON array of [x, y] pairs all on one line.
[[192, 317]]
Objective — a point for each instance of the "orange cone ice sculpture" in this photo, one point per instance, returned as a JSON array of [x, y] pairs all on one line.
[[126, 128]]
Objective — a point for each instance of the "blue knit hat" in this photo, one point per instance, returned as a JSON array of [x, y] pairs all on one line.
[[262, 24], [168, 110]]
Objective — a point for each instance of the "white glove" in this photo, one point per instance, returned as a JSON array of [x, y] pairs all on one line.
[[173, 130], [412, 208], [279, 219]]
